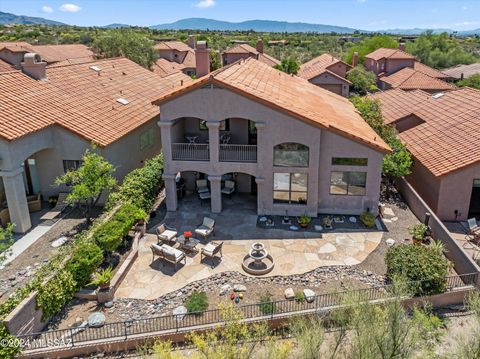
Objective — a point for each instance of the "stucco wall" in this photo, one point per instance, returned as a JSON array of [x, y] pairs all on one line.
[[215, 104], [231, 58], [340, 69], [326, 81], [425, 183], [393, 65], [408, 122], [13, 58]]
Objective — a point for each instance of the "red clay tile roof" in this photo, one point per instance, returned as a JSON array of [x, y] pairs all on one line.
[[17, 46], [397, 104], [5, 66], [410, 79], [172, 45], [56, 53], [292, 95], [317, 66], [247, 49], [467, 70], [163, 67], [384, 53], [82, 100], [449, 138], [189, 60], [427, 70]]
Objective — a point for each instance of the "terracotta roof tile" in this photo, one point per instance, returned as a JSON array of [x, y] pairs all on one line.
[[292, 95], [56, 53], [317, 66], [410, 79], [247, 49], [163, 67], [17, 46], [384, 53], [5, 66], [467, 70], [427, 70], [397, 104], [82, 100], [172, 45]]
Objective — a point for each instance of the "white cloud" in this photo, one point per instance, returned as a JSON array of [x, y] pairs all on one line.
[[205, 3], [47, 9], [70, 8], [466, 23]]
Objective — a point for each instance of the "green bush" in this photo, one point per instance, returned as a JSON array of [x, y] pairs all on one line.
[[367, 219], [299, 297], [8, 351], [57, 292], [418, 231], [417, 263], [197, 302], [86, 258], [267, 306]]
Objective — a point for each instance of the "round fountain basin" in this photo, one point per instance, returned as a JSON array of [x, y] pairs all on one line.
[[258, 255], [255, 266]]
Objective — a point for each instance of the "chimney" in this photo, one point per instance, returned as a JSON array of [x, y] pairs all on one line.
[[355, 59], [202, 59], [401, 46], [191, 41], [260, 46], [34, 67]]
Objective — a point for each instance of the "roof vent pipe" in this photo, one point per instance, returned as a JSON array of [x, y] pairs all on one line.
[[34, 67]]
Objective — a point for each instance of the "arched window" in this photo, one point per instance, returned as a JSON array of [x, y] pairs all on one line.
[[290, 155]]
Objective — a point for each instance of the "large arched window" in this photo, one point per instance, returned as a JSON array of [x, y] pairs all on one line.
[[290, 155]]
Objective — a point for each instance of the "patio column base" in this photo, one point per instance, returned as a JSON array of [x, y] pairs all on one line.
[[170, 192], [16, 200], [216, 193]]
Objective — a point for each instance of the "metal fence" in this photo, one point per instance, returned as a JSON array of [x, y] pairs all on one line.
[[182, 323]]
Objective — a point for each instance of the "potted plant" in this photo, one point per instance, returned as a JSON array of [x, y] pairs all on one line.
[[327, 222], [418, 232], [304, 220], [103, 278], [187, 235], [52, 201]]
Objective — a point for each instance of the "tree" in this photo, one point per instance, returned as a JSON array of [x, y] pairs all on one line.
[[472, 81], [127, 43], [215, 60], [89, 181], [6, 241], [289, 65], [362, 80], [369, 45]]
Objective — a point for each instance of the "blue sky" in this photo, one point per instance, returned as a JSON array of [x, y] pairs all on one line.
[[362, 14]]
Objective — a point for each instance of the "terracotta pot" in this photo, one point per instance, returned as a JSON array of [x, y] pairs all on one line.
[[105, 285], [303, 225]]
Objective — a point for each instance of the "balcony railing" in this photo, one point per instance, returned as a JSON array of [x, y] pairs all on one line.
[[190, 152], [238, 153]]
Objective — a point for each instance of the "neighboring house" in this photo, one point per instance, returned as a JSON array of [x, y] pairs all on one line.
[[245, 51], [50, 115], [461, 72], [163, 67], [297, 148], [387, 61], [327, 72], [441, 132], [427, 70], [410, 79], [180, 53]]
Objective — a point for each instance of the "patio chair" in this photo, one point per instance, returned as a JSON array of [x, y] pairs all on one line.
[[206, 228], [473, 228], [204, 197], [166, 234], [58, 209], [229, 188], [202, 186], [169, 254], [210, 250]]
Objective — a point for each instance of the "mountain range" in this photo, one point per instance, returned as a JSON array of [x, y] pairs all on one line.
[[255, 25]]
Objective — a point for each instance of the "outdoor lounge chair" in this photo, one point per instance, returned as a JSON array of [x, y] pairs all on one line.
[[229, 188], [210, 250], [166, 234], [206, 228], [168, 254], [202, 186], [59, 207], [473, 228]]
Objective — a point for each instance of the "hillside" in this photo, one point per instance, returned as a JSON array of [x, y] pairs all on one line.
[[6, 18]]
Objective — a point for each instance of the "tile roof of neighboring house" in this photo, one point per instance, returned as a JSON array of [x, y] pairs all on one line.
[[247, 49], [163, 67], [83, 100], [292, 95], [5, 66], [172, 45], [56, 53], [410, 79], [427, 70], [189, 60], [317, 66], [448, 139], [467, 70], [17, 46], [384, 53], [397, 104]]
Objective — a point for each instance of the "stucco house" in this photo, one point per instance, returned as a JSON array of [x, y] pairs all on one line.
[[441, 132], [298, 148], [50, 115], [410, 79], [245, 51], [178, 52], [327, 72]]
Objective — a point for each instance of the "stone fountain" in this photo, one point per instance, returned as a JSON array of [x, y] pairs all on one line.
[[258, 261]]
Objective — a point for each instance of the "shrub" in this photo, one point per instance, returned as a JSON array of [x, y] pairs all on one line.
[[267, 306], [57, 292], [103, 277], [197, 302], [299, 297], [86, 258], [367, 219], [418, 231], [422, 265], [7, 350]]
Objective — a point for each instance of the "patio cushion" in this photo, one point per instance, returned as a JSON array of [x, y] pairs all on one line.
[[171, 252], [209, 248], [168, 234], [157, 247], [203, 231], [208, 222]]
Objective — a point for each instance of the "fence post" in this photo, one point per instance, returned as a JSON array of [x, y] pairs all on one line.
[[71, 337], [175, 317], [125, 329]]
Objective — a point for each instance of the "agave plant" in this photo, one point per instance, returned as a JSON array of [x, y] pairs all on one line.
[[437, 246]]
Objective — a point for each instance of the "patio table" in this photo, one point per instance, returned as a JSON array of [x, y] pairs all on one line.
[[188, 245]]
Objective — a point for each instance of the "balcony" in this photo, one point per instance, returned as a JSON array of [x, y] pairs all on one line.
[[238, 153], [190, 152]]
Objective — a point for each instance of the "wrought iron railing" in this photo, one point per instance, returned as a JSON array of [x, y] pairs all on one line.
[[190, 152], [238, 153]]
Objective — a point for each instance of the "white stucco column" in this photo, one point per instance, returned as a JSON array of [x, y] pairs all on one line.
[[214, 140], [262, 142], [16, 200], [261, 196], [166, 137], [170, 192], [216, 193]]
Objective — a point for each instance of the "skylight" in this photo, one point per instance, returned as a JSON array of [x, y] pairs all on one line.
[[95, 68], [122, 101], [437, 95]]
